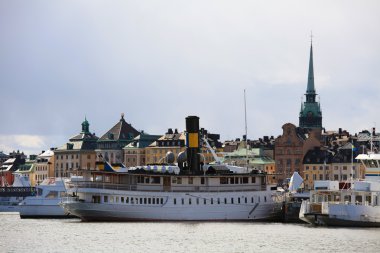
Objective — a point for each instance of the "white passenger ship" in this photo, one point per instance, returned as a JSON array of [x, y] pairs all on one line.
[[193, 192], [356, 204]]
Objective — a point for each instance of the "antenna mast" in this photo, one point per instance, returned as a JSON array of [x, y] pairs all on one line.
[[246, 131]]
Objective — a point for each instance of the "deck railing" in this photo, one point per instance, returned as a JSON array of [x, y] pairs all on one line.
[[73, 186]]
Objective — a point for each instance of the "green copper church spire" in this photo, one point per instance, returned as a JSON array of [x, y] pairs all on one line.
[[310, 115], [310, 80]]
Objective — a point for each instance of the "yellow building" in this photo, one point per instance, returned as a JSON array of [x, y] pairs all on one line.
[[170, 142], [28, 170], [134, 152], [331, 165], [77, 154]]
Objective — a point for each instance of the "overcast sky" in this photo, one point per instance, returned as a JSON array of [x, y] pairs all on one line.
[[160, 61]]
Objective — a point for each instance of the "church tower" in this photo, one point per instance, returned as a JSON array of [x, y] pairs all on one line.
[[310, 114]]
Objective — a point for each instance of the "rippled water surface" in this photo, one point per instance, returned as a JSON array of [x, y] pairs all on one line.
[[72, 235]]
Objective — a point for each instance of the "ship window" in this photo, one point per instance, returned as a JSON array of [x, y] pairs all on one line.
[[95, 199], [245, 200], [265, 198], [132, 201], [155, 180], [162, 201], [202, 180], [218, 201], [52, 195], [190, 180], [105, 200], [182, 201], [232, 180], [236, 180], [238, 200], [154, 201], [111, 199], [141, 201], [225, 200], [146, 180], [189, 201], [197, 201], [179, 180], [149, 201], [223, 180], [358, 200], [204, 201], [232, 200], [127, 200], [212, 201], [117, 200], [347, 198], [253, 180], [145, 201], [245, 180], [251, 199], [174, 180], [174, 201]]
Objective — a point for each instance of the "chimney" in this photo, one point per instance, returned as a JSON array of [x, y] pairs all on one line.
[[170, 131], [192, 144], [373, 131], [176, 131]]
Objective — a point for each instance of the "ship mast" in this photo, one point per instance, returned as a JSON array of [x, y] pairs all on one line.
[[246, 134]]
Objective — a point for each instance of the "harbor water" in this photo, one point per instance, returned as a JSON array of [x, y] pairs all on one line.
[[72, 235]]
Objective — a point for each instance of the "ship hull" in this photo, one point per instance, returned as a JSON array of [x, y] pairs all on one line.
[[42, 211], [203, 207], [325, 220], [9, 208], [346, 215], [96, 212]]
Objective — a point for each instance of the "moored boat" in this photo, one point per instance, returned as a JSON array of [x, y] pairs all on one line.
[[187, 191], [46, 202], [355, 203], [11, 196]]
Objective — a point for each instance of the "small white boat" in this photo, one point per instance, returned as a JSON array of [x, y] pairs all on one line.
[[355, 203], [10, 197], [46, 203]]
